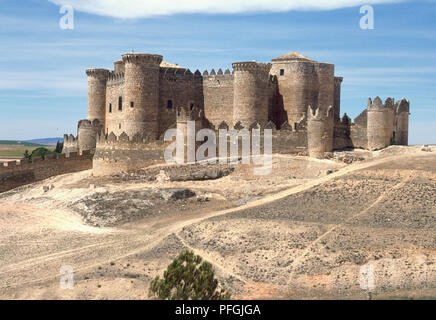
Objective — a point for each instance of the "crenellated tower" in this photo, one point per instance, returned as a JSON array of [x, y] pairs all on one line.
[[119, 66], [251, 97], [186, 118], [380, 123], [97, 79], [320, 127], [302, 82], [402, 113], [87, 133], [139, 104]]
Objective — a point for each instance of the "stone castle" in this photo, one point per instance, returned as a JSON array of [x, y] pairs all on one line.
[[131, 107]]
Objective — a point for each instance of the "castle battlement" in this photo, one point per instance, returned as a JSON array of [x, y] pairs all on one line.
[[49, 159], [174, 74], [378, 104], [402, 106], [115, 78], [227, 74], [252, 66], [69, 139], [15, 174], [102, 74], [142, 58], [194, 114], [316, 114], [123, 139]]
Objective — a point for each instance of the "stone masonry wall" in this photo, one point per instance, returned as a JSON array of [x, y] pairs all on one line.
[[178, 88], [218, 97], [114, 90], [14, 174]]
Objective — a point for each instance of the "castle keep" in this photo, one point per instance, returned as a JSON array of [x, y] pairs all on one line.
[[131, 107]]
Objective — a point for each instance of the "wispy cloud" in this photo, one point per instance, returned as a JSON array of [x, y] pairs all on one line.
[[130, 9]]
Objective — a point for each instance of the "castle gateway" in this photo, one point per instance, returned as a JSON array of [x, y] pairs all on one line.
[[131, 107]]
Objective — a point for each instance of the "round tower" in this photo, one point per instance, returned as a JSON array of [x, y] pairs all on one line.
[[298, 84], [119, 66], [138, 108], [86, 136], [377, 127], [402, 112], [97, 79], [189, 122], [251, 97], [390, 121], [319, 132]]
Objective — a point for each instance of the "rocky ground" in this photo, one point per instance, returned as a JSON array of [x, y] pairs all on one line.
[[306, 231]]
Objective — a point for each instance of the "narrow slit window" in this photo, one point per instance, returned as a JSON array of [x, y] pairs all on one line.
[[132, 104], [110, 107], [169, 104], [120, 103], [191, 106]]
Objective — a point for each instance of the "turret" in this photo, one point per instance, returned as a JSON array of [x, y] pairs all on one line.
[[380, 123], [139, 105], [97, 79], [184, 117], [390, 121], [87, 135], [402, 112], [319, 131], [250, 102], [119, 66], [70, 144]]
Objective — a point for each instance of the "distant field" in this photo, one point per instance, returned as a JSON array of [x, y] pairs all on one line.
[[19, 143], [17, 149]]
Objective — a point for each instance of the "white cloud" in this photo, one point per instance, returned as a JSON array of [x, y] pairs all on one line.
[[129, 9]]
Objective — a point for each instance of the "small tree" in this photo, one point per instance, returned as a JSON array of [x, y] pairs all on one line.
[[59, 147], [188, 278], [27, 155], [40, 152]]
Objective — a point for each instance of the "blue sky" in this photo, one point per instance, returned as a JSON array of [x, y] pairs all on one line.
[[43, 85]]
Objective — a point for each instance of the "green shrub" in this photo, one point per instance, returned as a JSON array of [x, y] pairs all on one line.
[[188, 278], [27, 155], [59, 147], [40, 152]]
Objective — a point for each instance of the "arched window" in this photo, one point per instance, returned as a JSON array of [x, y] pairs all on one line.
[[120, 103]]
